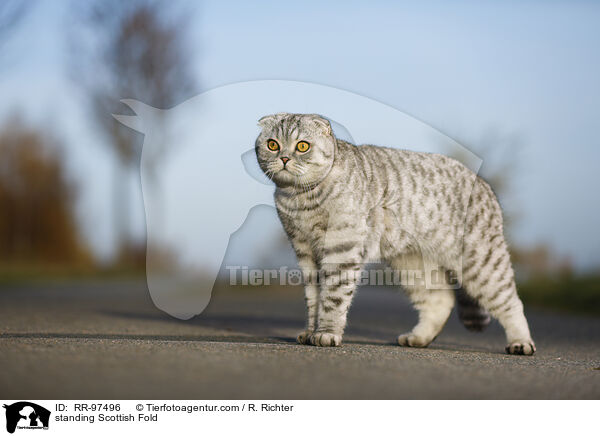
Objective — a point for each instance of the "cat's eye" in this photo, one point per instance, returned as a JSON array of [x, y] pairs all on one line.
[[272, 145], [302, 146]]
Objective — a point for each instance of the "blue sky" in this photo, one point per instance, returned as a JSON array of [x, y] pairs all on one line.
[[528, 69]]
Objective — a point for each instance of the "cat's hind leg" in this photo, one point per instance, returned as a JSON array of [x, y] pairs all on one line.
[[489, 278], [434, 308], [434, 305]]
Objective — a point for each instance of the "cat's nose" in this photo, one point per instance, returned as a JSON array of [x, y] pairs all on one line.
[[285, 160]]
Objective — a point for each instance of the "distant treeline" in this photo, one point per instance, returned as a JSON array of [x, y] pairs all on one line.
[[572, 293], [37, 223]]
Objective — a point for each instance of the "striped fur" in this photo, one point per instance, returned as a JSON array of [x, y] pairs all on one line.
[[344, 205], [471, 314]]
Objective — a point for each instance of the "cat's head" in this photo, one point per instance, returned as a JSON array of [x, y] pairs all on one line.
[[295, 149]]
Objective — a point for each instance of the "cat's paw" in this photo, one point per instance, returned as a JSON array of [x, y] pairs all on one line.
[[526, 348], [412, 340], [323, 339], [304, 337]]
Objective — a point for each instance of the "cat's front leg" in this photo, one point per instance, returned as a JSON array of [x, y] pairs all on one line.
[[341, 266], [311, 296], [339, 282], [309, 270]]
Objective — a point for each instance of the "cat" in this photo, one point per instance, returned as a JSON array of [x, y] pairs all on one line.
[[343, 206]]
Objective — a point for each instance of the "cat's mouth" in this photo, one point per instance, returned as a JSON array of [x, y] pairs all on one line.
[[286, 176]]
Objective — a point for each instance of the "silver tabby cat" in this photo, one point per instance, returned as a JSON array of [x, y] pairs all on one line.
[[344, 205]]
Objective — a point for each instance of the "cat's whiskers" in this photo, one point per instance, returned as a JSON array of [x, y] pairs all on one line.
[[302, 169], [305, 190], [271, 170], [296, 180], [309, 191]]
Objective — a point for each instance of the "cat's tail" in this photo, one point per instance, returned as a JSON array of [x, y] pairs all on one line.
[[471, 314]]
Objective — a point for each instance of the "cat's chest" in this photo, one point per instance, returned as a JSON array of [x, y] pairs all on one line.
[[298, 217], [312, 227]]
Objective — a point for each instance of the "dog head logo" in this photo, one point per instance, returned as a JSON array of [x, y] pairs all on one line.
[[203, 189], [26, 415]]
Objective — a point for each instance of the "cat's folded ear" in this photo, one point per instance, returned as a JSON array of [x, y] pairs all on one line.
[[267, 120], [322, 124], [270, 120]]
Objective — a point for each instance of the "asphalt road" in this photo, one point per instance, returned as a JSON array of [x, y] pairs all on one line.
[[107, 341]]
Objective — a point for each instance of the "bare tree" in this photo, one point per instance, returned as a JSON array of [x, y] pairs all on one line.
[[133, 49]]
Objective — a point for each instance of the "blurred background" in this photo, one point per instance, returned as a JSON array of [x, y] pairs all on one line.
[[516, 83]]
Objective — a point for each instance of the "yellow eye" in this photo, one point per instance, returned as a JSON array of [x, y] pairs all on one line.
[[272, 145], [302, 146]]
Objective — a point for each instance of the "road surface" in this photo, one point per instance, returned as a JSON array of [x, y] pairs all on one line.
[[106, 340]]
